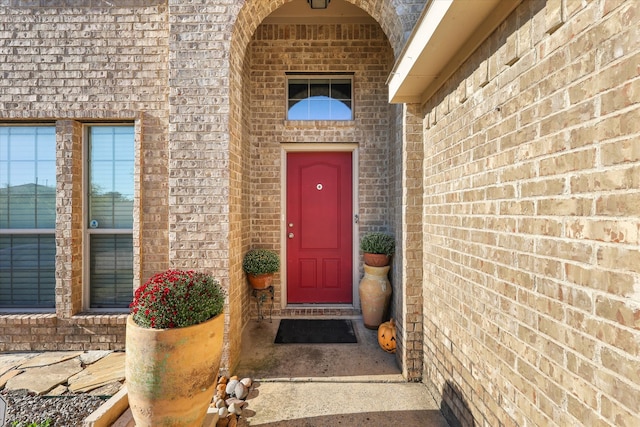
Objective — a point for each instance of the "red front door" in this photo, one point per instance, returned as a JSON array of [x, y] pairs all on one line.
[[319, 228]]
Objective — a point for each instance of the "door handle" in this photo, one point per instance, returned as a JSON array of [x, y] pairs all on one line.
[[291, 235]]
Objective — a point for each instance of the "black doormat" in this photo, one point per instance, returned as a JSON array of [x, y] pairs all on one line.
[[307, 331]]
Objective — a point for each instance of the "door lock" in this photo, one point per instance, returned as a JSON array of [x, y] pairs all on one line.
[[291, 235]]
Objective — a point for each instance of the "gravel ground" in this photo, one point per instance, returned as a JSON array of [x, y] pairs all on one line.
[[64, 411]]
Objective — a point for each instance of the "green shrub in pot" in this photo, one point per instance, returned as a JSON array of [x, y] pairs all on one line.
[[260, 261], [378, 243]]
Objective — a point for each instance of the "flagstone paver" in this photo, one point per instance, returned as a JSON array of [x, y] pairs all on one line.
[[105, 371], [50, 358], [58, 391], [41, 379], [106, 390], [8, 375], [11, 361], [92, 356]]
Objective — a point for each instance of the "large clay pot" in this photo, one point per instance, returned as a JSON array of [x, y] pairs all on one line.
[[260, 281], [171, 373], [375, 293]]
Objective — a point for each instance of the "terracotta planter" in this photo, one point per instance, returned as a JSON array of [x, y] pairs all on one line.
[[376, 260], [260, 281], [375, 294], [171, 373]]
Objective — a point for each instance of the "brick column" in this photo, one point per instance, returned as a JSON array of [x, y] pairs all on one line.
[[69, 231], [199, 141], [410, 326]]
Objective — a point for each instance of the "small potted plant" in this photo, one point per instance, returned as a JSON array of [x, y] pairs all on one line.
[[377, 248], [260, 266], [174, 347]]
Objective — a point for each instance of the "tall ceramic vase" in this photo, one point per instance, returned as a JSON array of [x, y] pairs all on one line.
[[171, 373], [375, 294]]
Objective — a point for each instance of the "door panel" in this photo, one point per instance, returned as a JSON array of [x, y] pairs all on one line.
[[319, 228]]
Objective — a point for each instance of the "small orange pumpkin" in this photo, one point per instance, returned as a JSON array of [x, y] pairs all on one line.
[[387, 336]]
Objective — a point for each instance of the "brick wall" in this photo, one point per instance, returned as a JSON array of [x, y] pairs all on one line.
[[531, 220], [72, 65], [47, 332]]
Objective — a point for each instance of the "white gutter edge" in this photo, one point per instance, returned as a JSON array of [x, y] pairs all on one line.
[[429, 21]]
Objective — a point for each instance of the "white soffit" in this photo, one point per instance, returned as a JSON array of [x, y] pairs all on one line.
[[446, 34]]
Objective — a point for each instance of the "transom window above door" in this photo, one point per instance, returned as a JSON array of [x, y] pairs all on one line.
[[319, 97]]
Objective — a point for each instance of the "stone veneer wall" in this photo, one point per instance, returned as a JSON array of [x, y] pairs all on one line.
[[532, 219]]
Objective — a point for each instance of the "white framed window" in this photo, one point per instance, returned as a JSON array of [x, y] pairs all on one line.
[[109, 216], [27, 217], [319, 97]]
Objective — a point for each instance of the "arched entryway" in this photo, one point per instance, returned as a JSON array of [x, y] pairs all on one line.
[[273, 40]]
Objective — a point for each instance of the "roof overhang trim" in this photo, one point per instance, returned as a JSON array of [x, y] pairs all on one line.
[[446, 34]]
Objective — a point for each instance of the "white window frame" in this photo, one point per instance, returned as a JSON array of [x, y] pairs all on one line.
[[87, 230], [30, 231], [319, 76]]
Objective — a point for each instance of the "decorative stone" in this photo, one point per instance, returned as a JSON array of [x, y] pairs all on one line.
[[223, 380], [222, 422], [231, 387], [235, 408], [247, 382], [223, 412], [235, 400], [220, 403], [241, 391]]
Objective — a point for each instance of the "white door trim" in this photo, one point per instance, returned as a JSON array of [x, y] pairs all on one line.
[[318, 147]]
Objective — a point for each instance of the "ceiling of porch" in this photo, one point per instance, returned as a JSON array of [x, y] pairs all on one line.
[[299, 12]]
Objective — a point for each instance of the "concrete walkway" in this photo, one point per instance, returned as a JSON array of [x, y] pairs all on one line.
[[304, 385], [318, 385]]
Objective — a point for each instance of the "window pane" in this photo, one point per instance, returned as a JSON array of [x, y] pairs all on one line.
[[298, 110], [320, 108], [27, 177], [341, 89], [111, 206], [340, 110], [111, 176], [298, 89], [27, 271], [319, 88], [111, 265], [320, 99]]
